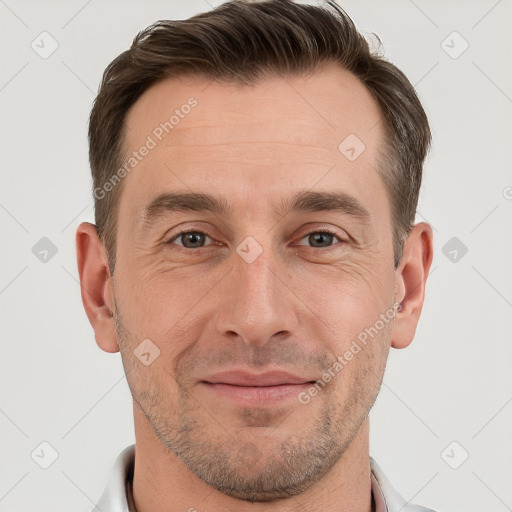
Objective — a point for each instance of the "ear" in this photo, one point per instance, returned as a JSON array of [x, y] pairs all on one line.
[[96, 286], [410, 279]]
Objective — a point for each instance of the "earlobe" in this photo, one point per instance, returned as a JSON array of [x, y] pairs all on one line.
[[96, 286], [410, 281]]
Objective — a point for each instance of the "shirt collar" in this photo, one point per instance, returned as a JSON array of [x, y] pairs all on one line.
[[116, 492]]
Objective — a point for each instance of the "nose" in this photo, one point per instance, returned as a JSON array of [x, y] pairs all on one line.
[[257, 301]]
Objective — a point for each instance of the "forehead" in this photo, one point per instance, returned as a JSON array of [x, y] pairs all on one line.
[[329, 102], [280, 135]]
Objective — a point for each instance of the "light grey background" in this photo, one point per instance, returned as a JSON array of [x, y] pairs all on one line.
[[452, 384]]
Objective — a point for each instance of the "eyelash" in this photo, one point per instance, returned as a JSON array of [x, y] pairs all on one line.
[[323, 231]]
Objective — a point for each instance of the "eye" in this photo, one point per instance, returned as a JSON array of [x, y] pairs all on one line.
[[322, 238], [190, 239], [195, 239]]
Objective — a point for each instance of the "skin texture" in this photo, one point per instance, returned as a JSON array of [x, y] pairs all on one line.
[[297, 307]]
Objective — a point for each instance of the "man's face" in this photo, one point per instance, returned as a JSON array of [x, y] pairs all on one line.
[[267, 286]]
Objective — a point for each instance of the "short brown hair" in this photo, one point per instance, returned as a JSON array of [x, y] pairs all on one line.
[[242, 42]]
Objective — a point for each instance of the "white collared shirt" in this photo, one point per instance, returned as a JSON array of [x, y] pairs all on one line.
[[115, 497]]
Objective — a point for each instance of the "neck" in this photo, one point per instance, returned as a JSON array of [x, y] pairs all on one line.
[[162, 482]]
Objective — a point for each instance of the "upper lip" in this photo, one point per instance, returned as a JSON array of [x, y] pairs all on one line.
[[242, 378]]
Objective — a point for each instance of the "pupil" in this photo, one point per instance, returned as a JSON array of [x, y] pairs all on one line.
[[194, 237], [317, 237]]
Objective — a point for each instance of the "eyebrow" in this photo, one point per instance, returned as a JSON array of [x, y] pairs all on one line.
[[302, 202]]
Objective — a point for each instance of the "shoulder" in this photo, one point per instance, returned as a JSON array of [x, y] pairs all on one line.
[[394, 502], [113, 498]]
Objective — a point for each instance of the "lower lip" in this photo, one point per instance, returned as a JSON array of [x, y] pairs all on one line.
[[259, 395]]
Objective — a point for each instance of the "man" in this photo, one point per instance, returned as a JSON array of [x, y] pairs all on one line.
[[256, 174]]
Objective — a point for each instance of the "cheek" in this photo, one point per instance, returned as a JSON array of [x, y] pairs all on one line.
[[346, 300], [148, 367], [155, 302], [362, 366]]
